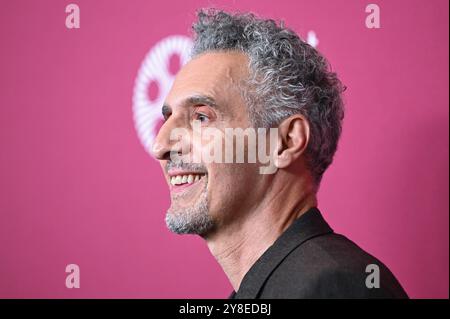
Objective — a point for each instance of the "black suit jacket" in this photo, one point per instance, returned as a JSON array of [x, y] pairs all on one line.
[[309, 260]]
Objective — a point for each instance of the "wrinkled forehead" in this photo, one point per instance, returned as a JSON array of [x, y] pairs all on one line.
[[216, 74]]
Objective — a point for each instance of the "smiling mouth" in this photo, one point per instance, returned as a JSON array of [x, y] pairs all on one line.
[[182, 182]]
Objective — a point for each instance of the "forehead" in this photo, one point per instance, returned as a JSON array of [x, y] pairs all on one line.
[[214, 74]]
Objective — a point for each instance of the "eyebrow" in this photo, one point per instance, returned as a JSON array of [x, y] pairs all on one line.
[[190, 101]]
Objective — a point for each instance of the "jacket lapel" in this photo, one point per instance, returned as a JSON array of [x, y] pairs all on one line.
[[307, 226]]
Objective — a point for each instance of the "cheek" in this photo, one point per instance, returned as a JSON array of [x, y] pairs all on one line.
[[220, 178], [231, 189], [232, 179]]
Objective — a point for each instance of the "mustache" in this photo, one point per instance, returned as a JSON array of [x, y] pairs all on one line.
[[180, 165]]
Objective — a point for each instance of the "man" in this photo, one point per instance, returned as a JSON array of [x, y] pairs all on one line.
[[264, 228]]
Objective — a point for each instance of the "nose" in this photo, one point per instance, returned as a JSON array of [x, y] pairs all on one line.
[[164, 145]]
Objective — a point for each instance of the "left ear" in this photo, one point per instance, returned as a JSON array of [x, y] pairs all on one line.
[[293, 138]]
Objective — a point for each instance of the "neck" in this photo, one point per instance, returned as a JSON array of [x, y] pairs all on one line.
[[237, 246]]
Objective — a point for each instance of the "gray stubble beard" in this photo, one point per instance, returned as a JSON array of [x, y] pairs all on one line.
[[191, 220]]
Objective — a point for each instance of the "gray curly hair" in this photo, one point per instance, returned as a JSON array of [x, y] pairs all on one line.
[[287, 77]]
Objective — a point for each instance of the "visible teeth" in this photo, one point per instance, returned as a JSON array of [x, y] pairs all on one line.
[[183, 179]]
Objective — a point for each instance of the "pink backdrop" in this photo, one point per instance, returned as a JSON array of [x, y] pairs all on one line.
[[76, 185]]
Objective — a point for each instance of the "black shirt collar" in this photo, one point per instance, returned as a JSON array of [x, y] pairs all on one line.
[[307, 226]]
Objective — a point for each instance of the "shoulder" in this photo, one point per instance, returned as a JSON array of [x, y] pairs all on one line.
[[331, 266]]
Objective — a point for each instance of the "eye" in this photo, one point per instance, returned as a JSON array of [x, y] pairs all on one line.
[[200, 117], [203, 114]]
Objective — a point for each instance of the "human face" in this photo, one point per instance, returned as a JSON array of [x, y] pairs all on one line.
[[206, 90]]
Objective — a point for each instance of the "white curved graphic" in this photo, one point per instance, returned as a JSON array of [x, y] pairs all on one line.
[[155, 67]]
